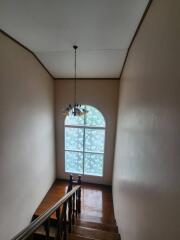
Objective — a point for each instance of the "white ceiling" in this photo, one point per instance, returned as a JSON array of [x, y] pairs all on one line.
[[102, 29]]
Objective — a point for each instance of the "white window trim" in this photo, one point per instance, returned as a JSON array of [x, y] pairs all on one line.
[[84, 127]]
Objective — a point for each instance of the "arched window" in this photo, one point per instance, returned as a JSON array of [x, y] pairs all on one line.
[[84, 143]]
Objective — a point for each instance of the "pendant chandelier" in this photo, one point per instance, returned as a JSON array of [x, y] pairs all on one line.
[[75, 109]]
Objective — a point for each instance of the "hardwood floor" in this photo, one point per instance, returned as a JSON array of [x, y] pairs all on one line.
[[96, 202]]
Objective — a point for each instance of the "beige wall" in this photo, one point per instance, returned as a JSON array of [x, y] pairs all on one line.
[[146, 183], [103, 94], [27, 163]]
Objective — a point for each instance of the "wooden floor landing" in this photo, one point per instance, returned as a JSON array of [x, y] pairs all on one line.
[[96, 201]]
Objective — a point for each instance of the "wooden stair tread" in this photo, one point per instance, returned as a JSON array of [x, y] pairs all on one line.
[[96, 225], [94, 233]]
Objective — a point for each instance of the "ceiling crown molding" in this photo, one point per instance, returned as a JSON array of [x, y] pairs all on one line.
[[135, 34], [27, 49]]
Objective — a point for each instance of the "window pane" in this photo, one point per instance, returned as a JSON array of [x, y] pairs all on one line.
[[73, 162], [94, 140], [93, 164], [74, 120], [94, 117], [73, 139]]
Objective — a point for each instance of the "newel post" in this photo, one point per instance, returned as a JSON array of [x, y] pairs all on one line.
[[70, 182], [79, 194]]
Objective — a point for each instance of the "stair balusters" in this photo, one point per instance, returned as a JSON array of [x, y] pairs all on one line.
[[73, 209], [46, 227], [79, 195], [70, 208]]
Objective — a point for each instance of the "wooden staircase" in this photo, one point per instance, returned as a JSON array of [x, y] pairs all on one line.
[[72, 218], [83, 229]]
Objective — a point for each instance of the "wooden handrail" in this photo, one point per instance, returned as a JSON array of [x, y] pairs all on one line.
[[34, 225]]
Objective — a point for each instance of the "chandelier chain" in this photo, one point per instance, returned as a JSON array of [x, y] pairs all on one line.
[[75, 109], [75, 80]]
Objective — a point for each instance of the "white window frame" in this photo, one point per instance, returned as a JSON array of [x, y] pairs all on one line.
[[84, 127]]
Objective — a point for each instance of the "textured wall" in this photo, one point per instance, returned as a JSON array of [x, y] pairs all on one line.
[[27, 163], [102, 94], [146, 183]]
